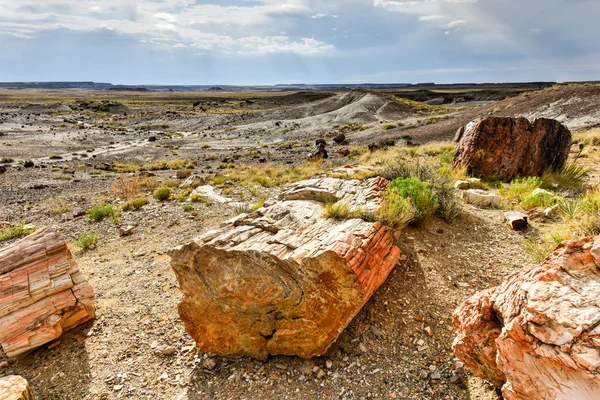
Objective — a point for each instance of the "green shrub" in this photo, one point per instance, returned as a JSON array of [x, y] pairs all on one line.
[[163, 193], [450, 206], [135, 204], [540, 199], [521, 188], [98, 213], [387, 127], [423, 199], [188, 208], [55, 157], [86, 240], [256, 206], [14, 231], [198, 198], [339, 210], [6, 160]]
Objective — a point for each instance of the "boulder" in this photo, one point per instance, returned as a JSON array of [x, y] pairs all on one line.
[[319, 153], [504, 148], [481, 198], [284, 279], [42, 292], [340, 139], [537, 335], [14, 387]]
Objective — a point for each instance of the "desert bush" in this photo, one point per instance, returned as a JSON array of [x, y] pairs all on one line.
[[126, 188], [423, 199], [397, 212], [521, 188], [86, 240], [14, 231], [572, 176], [6, 160], [540, 199], [163, 193], [135, 204], [340, 210], [55, 157], [187, 207], [450, 207], [387, 127], [100, 212]]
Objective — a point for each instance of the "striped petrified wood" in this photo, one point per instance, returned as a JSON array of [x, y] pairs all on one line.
[[284, 279], [42, 292], [14, 387]]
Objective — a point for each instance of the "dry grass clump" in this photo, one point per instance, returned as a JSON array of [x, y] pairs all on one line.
[[135, 204], [163, 193], [126, 188], [590, 138], [160, 165], [57, 206], [270, 175], [579, 217]]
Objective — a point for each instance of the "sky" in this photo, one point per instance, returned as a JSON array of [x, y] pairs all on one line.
[[251, 42]]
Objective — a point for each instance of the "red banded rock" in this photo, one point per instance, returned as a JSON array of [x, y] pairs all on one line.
[[285, 280], [537, 335], [42, 292], [504, 148]]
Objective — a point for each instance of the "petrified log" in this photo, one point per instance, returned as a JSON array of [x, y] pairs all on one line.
[[504, 148], [516, 220], [537, 336], [42, 292], [14, 387], [285, 280]]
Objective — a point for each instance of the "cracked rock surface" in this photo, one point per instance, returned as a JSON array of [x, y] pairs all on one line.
[[42, 292], [537, 335], [284, 279]]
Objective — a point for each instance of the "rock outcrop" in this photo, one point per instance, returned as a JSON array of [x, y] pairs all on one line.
[[284, 279], [504, 148], [14, 387], [537, 335], [42, 292]]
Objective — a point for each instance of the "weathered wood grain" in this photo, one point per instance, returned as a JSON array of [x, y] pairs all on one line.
[[285, 280], [42, 292]]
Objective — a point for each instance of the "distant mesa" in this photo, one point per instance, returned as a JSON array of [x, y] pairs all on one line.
[[215, 89]]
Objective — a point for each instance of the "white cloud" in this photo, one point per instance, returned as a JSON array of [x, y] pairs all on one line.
[[171, 23], [431, 17], [456, 23]]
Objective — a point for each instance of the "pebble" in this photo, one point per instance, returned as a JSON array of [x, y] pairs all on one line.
[[209, 364]]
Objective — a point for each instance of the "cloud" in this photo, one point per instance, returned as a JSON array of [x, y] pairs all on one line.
[[171, 23]]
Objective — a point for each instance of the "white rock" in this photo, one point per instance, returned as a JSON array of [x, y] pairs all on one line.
[[210, 193], [482, 198], [551, 212], [596, 249]]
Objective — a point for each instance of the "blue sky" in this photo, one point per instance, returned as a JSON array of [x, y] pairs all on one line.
[[294, 41]]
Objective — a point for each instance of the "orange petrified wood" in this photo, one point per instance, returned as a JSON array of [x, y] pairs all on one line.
[[42, 292], [285, 280]]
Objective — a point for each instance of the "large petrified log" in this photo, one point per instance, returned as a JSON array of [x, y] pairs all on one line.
[[285, 280], [14, 387], [537, 336], [42, 292], [504, 148]]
